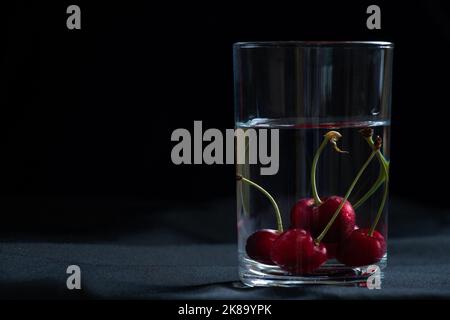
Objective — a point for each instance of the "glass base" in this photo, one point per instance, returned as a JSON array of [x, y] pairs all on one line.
[[255, 274]]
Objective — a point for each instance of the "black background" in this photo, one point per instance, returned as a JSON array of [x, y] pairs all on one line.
[[86, 115]]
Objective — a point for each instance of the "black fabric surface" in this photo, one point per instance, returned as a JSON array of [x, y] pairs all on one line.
[[146, 265], [418, 268]]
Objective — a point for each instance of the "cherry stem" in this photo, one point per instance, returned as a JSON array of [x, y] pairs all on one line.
[[332, 137], [385, 167], [315, 194], [271, 199], [380, 210], [368, 194], [349, 191], [384, 172]]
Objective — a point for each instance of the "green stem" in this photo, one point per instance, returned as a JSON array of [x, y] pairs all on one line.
[[379, 154], [383, 200], [375, 186], [380, 210], [271, 199], [349, 191], [315, 194], [381, 177], [332, 137]]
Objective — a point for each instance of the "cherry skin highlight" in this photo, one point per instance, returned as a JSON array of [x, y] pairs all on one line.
[[302, 214], [342, 227], [259, 245], [360, 249], [296, 252]]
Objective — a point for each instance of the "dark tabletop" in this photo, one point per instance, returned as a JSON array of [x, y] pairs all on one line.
[[182, 262]]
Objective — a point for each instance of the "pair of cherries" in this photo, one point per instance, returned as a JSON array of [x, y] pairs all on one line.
[[296, 250], [344, 240]]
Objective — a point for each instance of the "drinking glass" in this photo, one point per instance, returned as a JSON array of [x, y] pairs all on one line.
[[324, 110]]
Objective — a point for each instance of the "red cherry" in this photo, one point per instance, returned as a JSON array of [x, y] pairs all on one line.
[[259, 245], [360, 249], [296, 252], [342, 226], [331, 249], [302, 214]]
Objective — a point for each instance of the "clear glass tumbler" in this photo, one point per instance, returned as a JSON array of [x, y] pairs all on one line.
[[322, 217]]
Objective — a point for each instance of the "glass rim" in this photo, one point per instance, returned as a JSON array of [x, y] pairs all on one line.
[[318, 44]]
